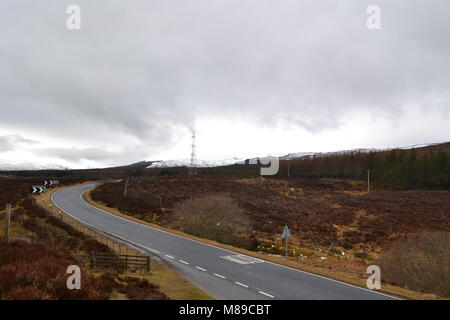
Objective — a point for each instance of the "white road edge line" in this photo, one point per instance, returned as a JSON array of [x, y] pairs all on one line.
[[200, 269], [266, 294], [170, 256], [220, 276], [210, 245], [241, 284], [99, 229], [182, 261]]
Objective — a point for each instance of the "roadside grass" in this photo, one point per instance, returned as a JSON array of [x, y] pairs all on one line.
[[173, 284], [353, 279]]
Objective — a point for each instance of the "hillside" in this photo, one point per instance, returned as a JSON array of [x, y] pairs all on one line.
[[425, 167]]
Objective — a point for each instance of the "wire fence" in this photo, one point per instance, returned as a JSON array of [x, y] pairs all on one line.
[[123, 249]]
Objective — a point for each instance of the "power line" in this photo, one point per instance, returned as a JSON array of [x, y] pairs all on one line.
[[193, 169]]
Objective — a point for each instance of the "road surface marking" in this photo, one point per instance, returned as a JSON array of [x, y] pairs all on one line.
[[220, 276], [242, 259], [201, 269], [266, 294], [170, 256], [241, 284], [153, 250], [182, 261]]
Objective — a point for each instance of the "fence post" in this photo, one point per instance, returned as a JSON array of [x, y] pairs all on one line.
[[93, 257], [148, 263], [7, 222]]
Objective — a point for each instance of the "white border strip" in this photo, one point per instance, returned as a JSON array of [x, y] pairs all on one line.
[[241, 284], [199, 268], [266, 294]]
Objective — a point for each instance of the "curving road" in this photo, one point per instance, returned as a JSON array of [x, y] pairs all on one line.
[[221, 273]]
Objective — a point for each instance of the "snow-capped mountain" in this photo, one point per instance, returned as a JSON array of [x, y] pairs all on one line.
[[297, 155], [301, 155], [202, 163], [217, 161], [224, 161], [20, 166]]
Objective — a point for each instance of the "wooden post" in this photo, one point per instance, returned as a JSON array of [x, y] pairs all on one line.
[[288, 171], [126, 188], [93, 257], [7, 222], [148, 263], [368, 181]]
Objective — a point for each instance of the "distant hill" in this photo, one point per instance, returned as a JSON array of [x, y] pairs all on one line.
[[28, 166], [225, 161], [134, 166], [415, 167], [418, 148]]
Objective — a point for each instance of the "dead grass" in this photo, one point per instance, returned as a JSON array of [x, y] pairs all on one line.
[[421, 263], [173, 284], [216, 217]]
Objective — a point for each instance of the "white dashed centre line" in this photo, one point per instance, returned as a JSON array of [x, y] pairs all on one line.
[[182, 261], [200, 269], [220, 276], [266, 294], [170, 256], [241, 284]]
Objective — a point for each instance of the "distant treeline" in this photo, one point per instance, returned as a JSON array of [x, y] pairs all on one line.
[[393, 170]]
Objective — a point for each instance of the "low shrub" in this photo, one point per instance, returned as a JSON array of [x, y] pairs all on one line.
[[35, 271], [216, 217], [420, 263]]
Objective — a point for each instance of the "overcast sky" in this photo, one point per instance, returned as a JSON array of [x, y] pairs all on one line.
[[254, 77]]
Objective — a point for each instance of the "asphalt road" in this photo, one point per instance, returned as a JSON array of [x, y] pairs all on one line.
[[221, 273]]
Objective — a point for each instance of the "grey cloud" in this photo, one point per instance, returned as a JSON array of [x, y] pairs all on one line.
[[12, 142], [96, 155], [146, 68]]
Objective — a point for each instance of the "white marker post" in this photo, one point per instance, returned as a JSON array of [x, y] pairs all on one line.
[[285, 236], [7, 222]]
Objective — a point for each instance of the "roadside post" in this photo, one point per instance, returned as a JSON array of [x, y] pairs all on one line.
[[7, 222], [285, 236]]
